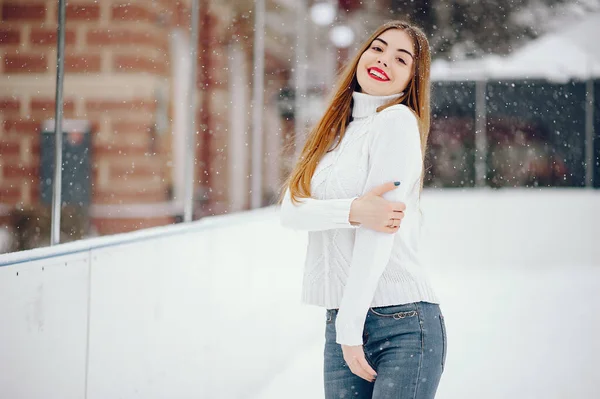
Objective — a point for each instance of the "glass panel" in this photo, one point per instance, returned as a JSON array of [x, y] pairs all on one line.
[[126, 110], [450, 159], [536, 134], [597, 133], [119, 119]]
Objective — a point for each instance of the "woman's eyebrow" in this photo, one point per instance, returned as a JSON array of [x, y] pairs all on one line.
[[400, 49]]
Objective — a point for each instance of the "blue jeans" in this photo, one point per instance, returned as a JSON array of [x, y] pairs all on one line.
[[404, 344]]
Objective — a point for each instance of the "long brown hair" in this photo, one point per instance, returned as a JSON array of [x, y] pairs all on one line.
[[339, 111]]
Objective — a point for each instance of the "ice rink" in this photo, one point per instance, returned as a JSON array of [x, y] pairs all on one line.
[[522, 310], [212, 309], [511, 334]]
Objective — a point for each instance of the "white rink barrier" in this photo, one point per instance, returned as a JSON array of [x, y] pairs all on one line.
[[211, 308], [511, 227]]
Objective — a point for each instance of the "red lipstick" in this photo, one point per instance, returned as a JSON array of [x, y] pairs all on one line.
[[381, 72]]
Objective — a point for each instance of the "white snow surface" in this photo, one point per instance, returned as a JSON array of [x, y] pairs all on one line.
[[567, 53], [512, 333], [212, 309], [522, 323]]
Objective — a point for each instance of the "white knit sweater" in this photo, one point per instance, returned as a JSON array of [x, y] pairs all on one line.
[[353, 268]]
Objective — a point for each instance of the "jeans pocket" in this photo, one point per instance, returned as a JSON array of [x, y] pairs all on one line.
[[396, 312], [444, 341], [330, 316]]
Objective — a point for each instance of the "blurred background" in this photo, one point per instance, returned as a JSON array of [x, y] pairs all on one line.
[[513, 95], [167, 122]]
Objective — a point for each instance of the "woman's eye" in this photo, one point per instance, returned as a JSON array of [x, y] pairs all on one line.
[[376, 48], [401, 60]]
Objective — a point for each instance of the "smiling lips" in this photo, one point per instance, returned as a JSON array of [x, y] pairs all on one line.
[[378, 74]]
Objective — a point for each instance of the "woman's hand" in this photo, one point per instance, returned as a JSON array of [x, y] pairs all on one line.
[[376, 213], [355, 359]]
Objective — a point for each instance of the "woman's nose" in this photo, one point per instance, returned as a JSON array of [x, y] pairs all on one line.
[[382, 62]]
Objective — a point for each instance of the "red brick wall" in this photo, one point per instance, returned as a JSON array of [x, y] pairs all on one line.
[[219, 26], [117, 53], [108, 43]]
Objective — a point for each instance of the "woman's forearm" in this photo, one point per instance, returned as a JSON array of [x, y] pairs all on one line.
[[313, 215]]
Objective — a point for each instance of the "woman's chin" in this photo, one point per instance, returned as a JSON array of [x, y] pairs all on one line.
[[376, 88], [377, 91]]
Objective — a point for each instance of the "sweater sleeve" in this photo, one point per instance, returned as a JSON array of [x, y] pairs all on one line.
[[394, 155], [313, 214]]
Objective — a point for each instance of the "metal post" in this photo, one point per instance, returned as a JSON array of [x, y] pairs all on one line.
[[190, 155], [58, 131], [481, 144], [300, 78], [589, 133], [257, 103]]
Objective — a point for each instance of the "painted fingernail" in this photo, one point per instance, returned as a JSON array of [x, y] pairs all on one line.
[[396, 183]]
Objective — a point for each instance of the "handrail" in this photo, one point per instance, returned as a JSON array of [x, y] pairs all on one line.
[[88, 244]]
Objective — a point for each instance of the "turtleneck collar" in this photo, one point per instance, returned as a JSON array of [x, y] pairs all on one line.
[[366, 104]]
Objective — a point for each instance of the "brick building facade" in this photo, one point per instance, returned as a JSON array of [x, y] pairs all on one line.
[[125, 73]]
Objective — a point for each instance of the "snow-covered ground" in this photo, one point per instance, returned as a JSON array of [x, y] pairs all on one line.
[[211, 309], [512, 333], [518, 272]]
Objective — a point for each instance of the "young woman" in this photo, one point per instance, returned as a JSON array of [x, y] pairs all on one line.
[[356, 189]]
